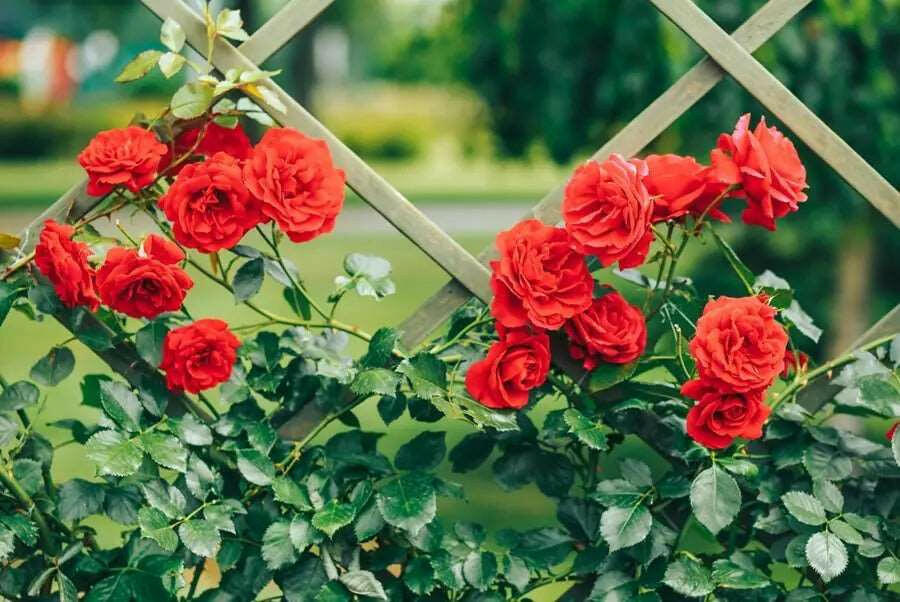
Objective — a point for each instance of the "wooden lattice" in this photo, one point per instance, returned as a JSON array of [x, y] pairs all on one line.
[[727, 54]]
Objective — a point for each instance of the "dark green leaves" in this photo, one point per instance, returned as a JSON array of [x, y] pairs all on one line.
[[472, 451], [743, 272], [79, 499], [255, 467], [248, 279], [624, 527], [408, 501], [155, 525], [427, 375], [689, 578], [804, 507], [121, 404], [333, 516], [114, 453], [424, 452], [588, 431], [200, 536], [827, 555], [149, 340], [51, 369], [19, 395], [375, 381], [715, 498]]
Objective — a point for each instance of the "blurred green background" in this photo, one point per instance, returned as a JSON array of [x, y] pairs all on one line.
[[474, 109]]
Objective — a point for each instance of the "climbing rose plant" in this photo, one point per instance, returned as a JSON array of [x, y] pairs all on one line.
[[668, 426]]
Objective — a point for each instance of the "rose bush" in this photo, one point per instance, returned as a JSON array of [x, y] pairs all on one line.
[[673, 430]]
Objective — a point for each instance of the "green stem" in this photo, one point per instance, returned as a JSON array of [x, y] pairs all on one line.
[[296, 285], [48, 542]]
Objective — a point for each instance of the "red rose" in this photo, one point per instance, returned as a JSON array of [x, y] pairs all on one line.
[[65, 264], [209, 206], [124, 157], [198, 356], [514, 365], [611, 330], [767, 167], [738, 345], [607, 211], [296, 182], [719, 416], [794, 362], [679, 186], [538, 279], [892, 431], [215, 139], [145, 283]]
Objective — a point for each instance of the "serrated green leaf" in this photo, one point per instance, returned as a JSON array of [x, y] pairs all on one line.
[[302, 534], [139, 66], [18, 395], [617, 492], [424, 452], [831, 497], [149, 340], [191, 430], [200, 537], [24, 529], [155, 525], [418, 576], [471, 451], [368, 523], [333, 516], [277, 549], [363, 583], [715, 499], [689, 578], [888, 570], [165, 450], [408, 501], [636, 472], [54, 367], [827, 555], [255, 467], [588, 431], [67, 590], [114, 453], [802, 321], [606, 375], [427, 375], [845, 532], [288, 491], [29, 474], [191, 100], [804, 507], [480, 569], [625, 527], [823, 462], [121, 404], [729, 574], [248, 279], [79, 498], [375, 381]]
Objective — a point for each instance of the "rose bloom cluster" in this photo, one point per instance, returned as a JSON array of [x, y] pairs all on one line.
[[223, 187], [541, 282]]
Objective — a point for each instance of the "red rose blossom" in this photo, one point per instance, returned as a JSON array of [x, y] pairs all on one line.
[[216, 138], [738, 345], [514, 365], [611, 330], [296, 183], [607, 211], [767, 167], [64, 263], [794, 362], [144, 283], [720, 416], [198, 356], [209, 206], [538, 278], [892, 431], [680, 186], [126, 157]]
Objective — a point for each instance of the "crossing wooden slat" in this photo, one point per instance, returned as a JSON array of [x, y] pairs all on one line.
[[284, 25], [630, 140], [820, 138], [364, 180]]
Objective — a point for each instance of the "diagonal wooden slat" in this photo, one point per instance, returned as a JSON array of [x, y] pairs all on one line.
[[748, 72], [284, 25], [630, 140], [364, 180]]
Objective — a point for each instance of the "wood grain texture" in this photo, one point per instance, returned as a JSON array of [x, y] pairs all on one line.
[[820, 138], [630, 140]]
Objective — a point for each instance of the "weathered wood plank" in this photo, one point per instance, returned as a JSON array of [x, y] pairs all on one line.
[[630, 140], [820, 138], [284, 25], [364, 180]]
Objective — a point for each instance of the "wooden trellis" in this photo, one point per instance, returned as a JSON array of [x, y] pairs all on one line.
[[727, 54]]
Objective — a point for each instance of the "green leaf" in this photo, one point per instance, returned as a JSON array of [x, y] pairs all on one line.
[[369, 274], [139, 66], [888, 570], [287, 491], [24, 529], [424, 452], [636, 472], [29, 474], [480, 569], [802, 321], [743, 272], [51, 369], [895, 448], [115, 588], [90, 330], [67, 590], [333, 516], [804, 507], [368, 523], [149, 340], [165, 450], [588, 431], [121, 404], [375, 381], [171, 35], [472, 451], [114, 453], [715, 499], [363, 583], [9, 428], [606, 375], [827, 555], [617, 492], [729, 574], [168, 500], [408, 501], [302, 534], [155, 525], [191, 100], [191, 430], [427, 374], [230, 25], [845, 532], [381, 348], [79, 498], [831, 497], [689, 578], [418, 576], [248, 279], [624, 527], [200, 537], [219, 514], [9, 293], [822, 462], [44, 298], [277, 548], [255, 467], [391, 407], [18, 395]]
